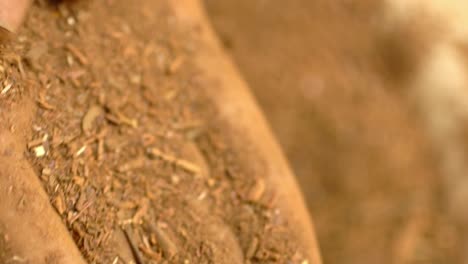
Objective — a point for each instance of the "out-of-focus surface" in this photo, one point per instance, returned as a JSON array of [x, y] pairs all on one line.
[[363, 157]]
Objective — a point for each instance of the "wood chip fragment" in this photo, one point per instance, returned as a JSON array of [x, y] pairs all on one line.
[[78, 180], [127, 121], [168, 247], [77, 54], [150, 253], [44, 104], [7, 88], [133, 245], [257, 190], [80, 151], [90, 117], [35, 142], [252, 249], [113, 119], [59, 204], [80, 204], [78, 215], [142, 210], [46, 172], [132, 165], [100, 149], [19, 62], [120, 119], [183, 164], [188, 166], [39, 151]]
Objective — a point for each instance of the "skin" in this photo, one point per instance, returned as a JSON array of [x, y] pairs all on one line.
[[12, 13], [235, 104]]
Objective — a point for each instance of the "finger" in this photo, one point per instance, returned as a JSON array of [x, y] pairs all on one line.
[[12, 13]]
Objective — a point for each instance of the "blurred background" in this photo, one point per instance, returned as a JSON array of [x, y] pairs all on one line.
[[366, 164]]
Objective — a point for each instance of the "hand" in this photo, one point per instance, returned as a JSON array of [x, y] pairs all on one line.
[[12, 13]]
